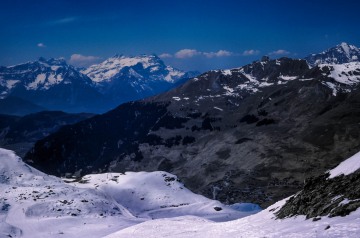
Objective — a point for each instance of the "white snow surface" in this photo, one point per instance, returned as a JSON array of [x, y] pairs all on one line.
[[40, 79], [142, 204], [346, 167], [262, 224], [344, 73], [33, 204]]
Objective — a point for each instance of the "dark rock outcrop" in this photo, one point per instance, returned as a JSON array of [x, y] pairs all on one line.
[[322, 196]]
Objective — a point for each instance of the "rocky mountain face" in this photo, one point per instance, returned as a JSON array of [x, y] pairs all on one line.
[[124, 78], [250, 134], [21, 133], [336, 193], [51, 84], [340, 54]]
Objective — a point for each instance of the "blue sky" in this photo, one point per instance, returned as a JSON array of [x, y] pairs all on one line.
[[190, 35]]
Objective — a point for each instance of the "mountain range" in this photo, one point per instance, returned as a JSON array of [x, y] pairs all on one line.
[[249, 134], [125, 78], [54, 85], [276, 132]]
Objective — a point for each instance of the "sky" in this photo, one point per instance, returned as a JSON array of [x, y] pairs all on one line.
[[187, 34]]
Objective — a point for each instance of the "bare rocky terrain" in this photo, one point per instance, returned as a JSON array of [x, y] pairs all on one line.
[[251, 134]]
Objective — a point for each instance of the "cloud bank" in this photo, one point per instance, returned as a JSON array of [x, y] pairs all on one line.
[[189, 53], [82, 60], [279, 52], [41, 45]]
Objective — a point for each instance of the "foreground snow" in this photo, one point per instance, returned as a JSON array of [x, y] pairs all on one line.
[[33, 204], [262, 224]]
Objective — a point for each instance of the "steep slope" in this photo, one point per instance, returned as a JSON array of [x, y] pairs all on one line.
[[250, 134], [126, 79], [52, 84], [21, 133], [33, 204], [342, 53]]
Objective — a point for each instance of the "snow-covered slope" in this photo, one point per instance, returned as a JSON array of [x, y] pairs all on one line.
[[267, 223], [262, 224], [342, 53], [34, 204], [346, 167]]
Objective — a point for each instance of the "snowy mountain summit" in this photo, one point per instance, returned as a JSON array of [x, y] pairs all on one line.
[[124, 78], [340, 54], [142, 66]]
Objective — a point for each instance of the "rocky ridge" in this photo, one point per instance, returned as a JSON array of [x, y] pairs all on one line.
[[250, 134]]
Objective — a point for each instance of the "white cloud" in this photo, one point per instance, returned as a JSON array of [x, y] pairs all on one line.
[[165, 55], [82, 60], [187, 53], [250, 52], [41, 45], [62, 21], [220, 53], [279, 52]]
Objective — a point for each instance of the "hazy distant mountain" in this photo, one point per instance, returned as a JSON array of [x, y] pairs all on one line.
[[342, 53], [18, 106], [21, 133], [124, 78], [52, 84]]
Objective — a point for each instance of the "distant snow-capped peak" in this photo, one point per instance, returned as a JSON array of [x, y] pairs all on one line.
[[39, 75], [147, 66], [340, 54]]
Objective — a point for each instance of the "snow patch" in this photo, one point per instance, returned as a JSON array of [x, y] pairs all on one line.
[[346, 167], [11, 83], [226, 72], [40, 79]]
